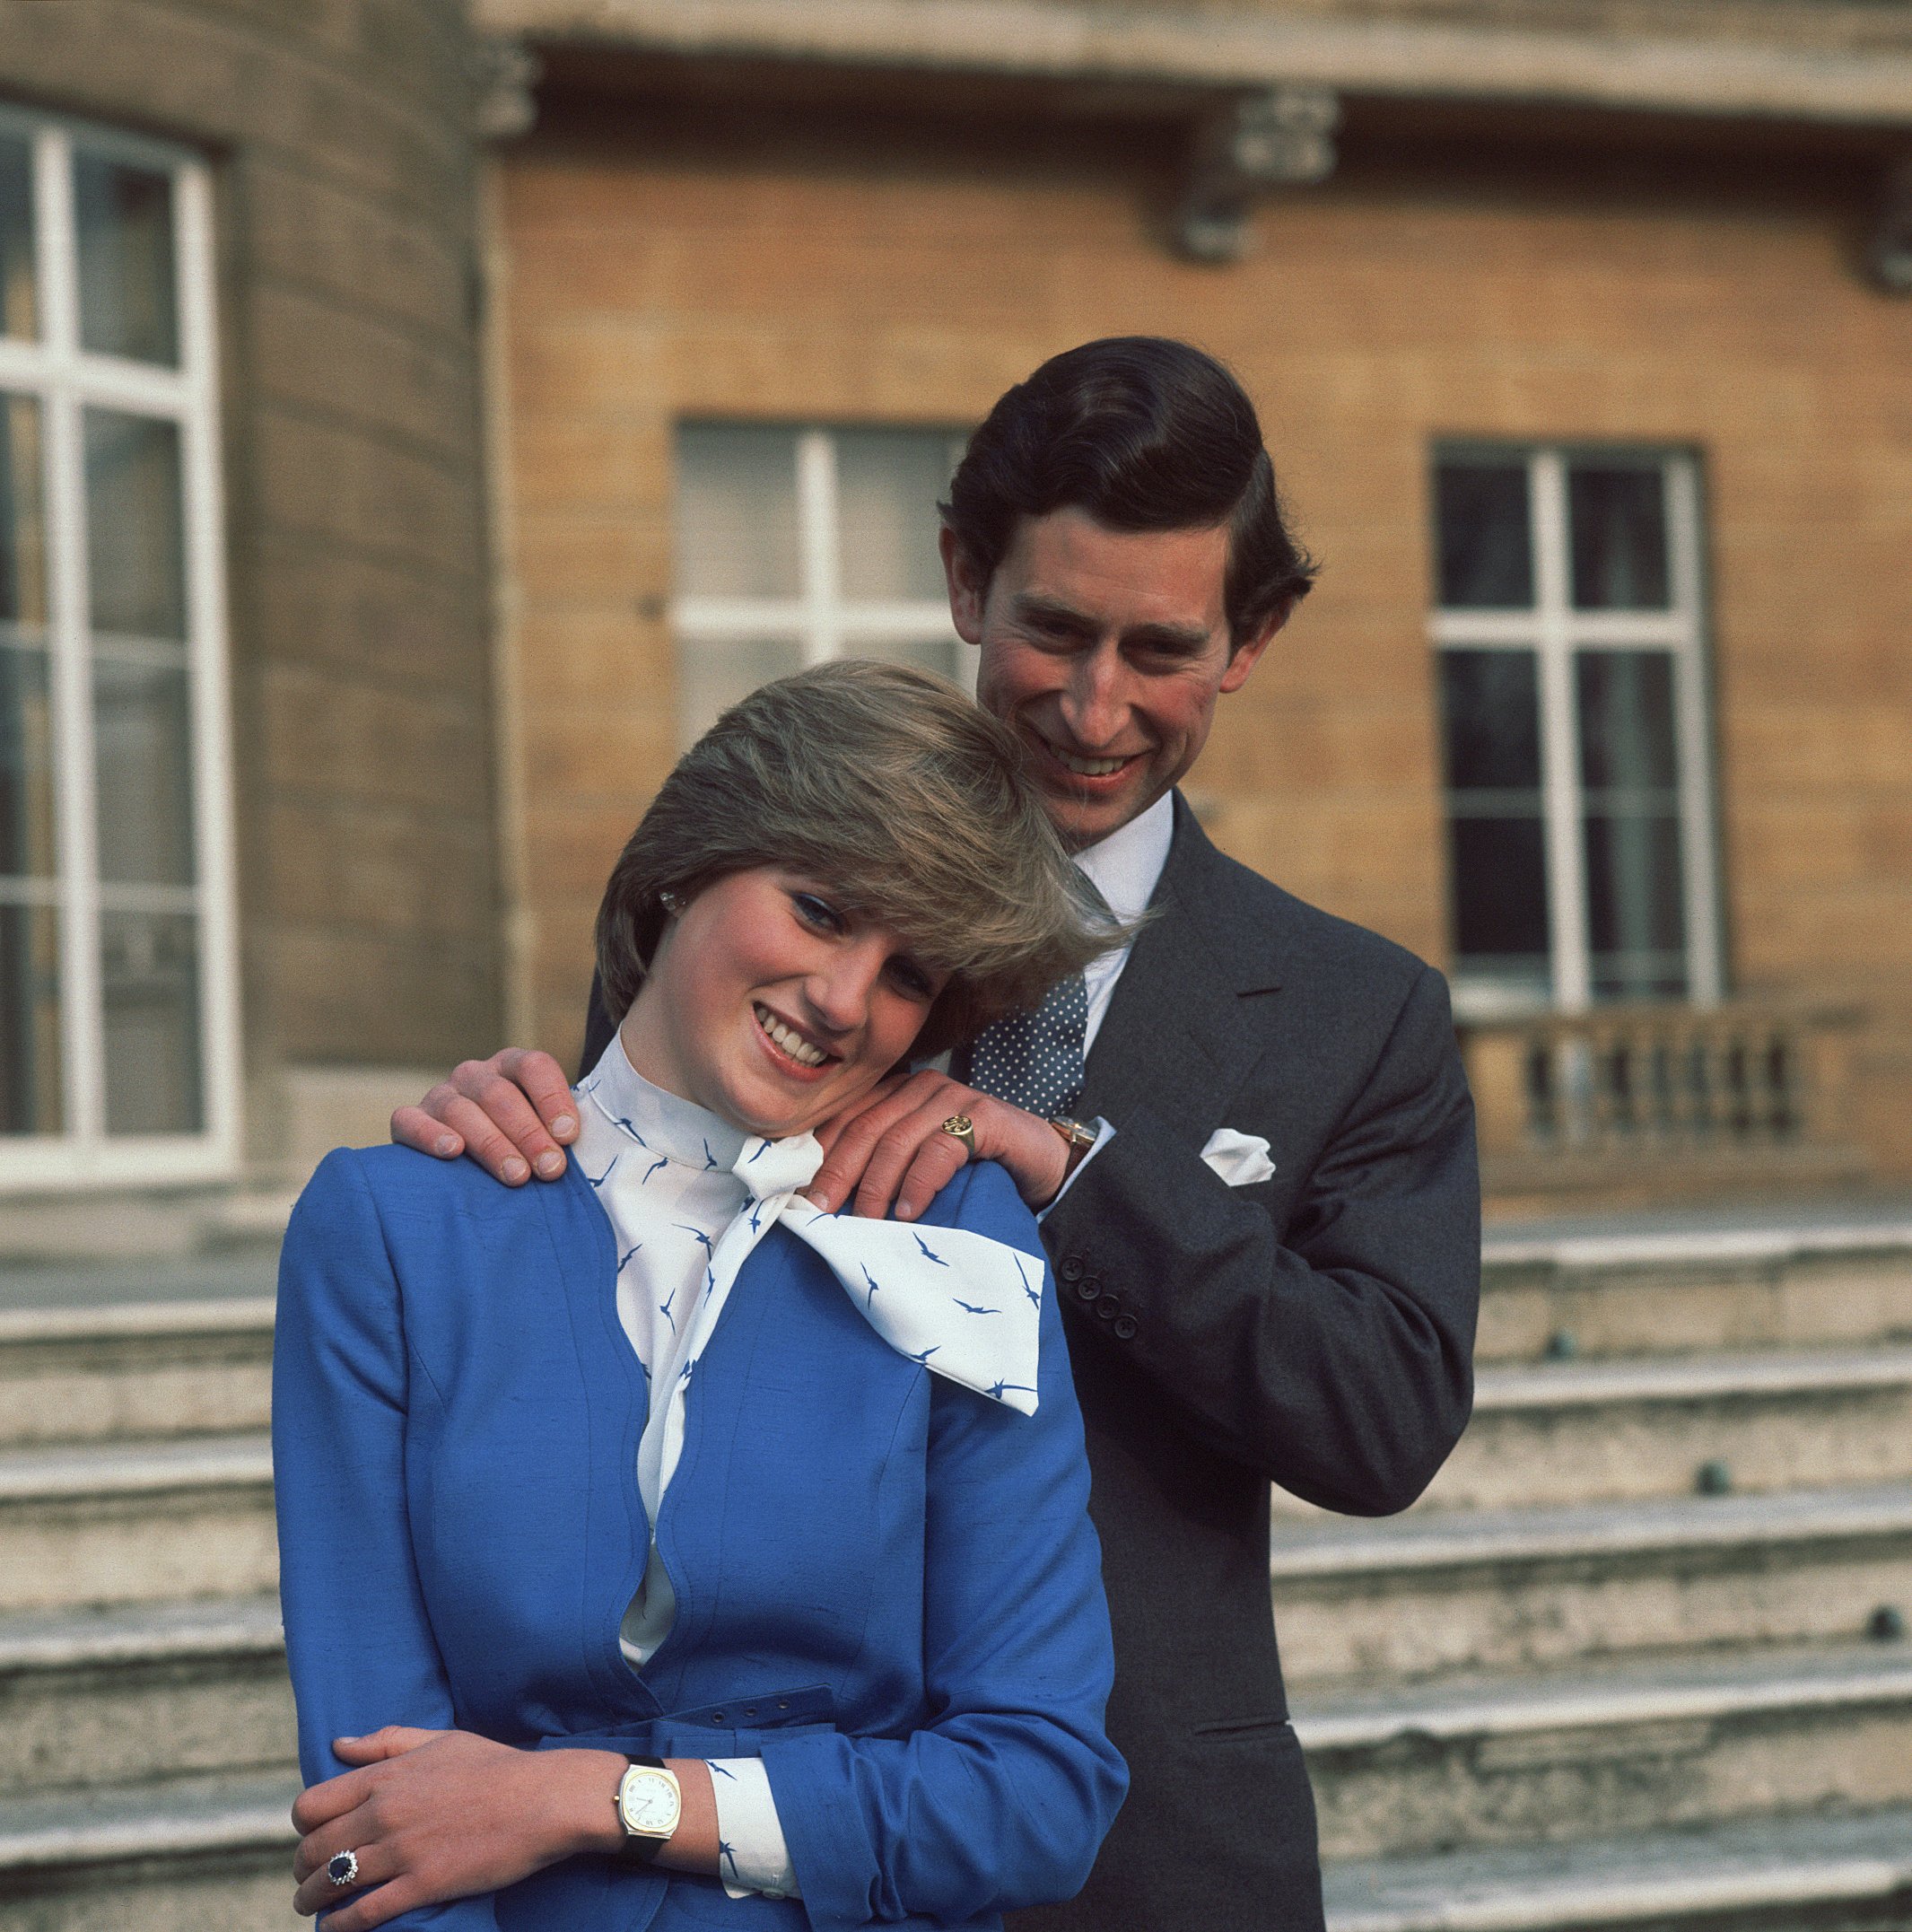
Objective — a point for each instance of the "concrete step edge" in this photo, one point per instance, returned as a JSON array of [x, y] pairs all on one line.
[[140, 1633], [116, 1826], [27, 1476], [1790, 1682], [1504, 1388], [1765, 1865], [1511, 1246], [138, 1321], [1302, 1547]]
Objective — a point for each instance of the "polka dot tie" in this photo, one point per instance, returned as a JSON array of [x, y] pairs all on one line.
[[1034, 1061]]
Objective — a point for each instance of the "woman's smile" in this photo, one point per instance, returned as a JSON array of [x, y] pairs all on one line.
[[804, 1057]]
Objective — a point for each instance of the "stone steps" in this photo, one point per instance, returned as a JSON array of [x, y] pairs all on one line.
[[1530, 1589], [1836, 1874], [1692, 1290], [141, 1692], [194, 1855], [115, 1523], [95, 1374], [1612, 1431], [1592, 1754]]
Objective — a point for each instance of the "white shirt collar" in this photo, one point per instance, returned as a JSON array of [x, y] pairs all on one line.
[[664, 1122], [1126, 867]]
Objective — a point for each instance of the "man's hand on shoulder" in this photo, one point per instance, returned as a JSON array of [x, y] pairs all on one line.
[[513, 1114], [891, 1147]]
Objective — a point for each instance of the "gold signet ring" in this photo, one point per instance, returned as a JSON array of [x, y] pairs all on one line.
[[960, 1127]]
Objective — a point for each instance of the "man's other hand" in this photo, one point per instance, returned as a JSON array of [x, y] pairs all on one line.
[[513, 1114], [890, 1147]]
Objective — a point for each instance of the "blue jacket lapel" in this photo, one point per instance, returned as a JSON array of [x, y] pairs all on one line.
[[617, 1529]]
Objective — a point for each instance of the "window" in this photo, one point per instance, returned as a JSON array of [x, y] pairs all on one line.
[[116, 1003], [1567, 640], [796, 546]]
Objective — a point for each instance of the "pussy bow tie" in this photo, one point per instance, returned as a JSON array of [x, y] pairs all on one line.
[[965, 1306]]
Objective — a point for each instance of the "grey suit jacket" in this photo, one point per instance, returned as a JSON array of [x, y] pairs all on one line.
[[1315, 1330]]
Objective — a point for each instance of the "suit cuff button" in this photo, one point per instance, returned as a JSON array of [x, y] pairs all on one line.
[[1070, 1268], [1108, 1307], [1124, 1328], [1087, 1290]]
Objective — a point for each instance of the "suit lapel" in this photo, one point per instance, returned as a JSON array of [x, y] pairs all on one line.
[[1187, 1020]]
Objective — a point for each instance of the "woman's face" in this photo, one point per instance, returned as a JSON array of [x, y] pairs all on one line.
[[770, 1005]]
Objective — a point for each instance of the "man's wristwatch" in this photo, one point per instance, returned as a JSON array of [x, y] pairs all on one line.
[[1080, 1140], [649, 1805]]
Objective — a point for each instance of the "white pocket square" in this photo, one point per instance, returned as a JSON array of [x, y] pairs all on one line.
[[1240, 1158]]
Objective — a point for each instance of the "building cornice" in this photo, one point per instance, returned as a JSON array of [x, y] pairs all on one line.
[[1405, 59]]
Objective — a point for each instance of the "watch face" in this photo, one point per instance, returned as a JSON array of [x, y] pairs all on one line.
[[648, 1801]]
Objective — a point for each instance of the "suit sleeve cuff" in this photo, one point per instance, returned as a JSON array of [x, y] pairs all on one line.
[[751, 1854], [1105, 1134]]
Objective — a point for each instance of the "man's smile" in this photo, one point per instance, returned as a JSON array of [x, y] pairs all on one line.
[[1081, 765]]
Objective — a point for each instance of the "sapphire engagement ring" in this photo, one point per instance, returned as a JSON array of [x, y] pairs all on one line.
[[343, 1868]]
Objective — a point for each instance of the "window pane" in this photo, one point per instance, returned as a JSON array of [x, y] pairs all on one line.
[[142, 751], [26, 765], [1487, 549], [22, 516], [887, 485], [1619, 536], [714, 674], [1629, 773], [135, 535], [124, 216], [1499, 878], [1491, 708], [737, 511], [1635, 905], [149, 964], [1627, 736], [29, 1020], [19, 309]]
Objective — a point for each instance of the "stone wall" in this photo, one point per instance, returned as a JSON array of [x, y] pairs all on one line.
[[339, 135], [663, 261]]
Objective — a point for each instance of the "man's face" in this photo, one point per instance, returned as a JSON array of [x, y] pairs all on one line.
[[1104, 651]]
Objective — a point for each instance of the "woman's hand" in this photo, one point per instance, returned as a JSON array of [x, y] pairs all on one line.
[[442, 1815], [513, 1114], [892, 1148]]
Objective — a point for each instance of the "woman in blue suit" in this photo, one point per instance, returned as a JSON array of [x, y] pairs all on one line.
[[658, 1551]]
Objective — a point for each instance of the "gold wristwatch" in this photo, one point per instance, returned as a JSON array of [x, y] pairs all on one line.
[[649, 1806], [1080, 1139]]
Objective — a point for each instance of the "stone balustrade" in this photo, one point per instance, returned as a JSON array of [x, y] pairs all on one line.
[[1655, 1098]]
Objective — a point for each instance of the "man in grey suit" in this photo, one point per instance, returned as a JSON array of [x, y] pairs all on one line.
[[1248, 1135]]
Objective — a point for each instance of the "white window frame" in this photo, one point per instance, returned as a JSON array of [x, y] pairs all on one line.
[[819, 618], [65, 377], [1553, 630]]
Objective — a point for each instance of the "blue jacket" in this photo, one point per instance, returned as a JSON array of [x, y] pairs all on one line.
[[887, 1585]]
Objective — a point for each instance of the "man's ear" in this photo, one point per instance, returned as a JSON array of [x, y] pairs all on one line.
[[968, 587], [1247, 654]]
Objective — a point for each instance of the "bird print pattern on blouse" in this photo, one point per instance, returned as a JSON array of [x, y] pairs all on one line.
[[686, 1213], [1035, 1060]]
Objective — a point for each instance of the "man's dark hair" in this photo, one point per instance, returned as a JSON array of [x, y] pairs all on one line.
[[1141, 433]]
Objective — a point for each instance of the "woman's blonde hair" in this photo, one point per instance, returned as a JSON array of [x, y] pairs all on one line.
[[890, 787]]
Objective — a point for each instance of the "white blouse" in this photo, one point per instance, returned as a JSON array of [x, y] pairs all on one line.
[[661, 1168]]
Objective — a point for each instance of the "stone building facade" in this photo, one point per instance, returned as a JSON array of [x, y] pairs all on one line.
[[1634, 273], [520, 381], [302, 180]]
